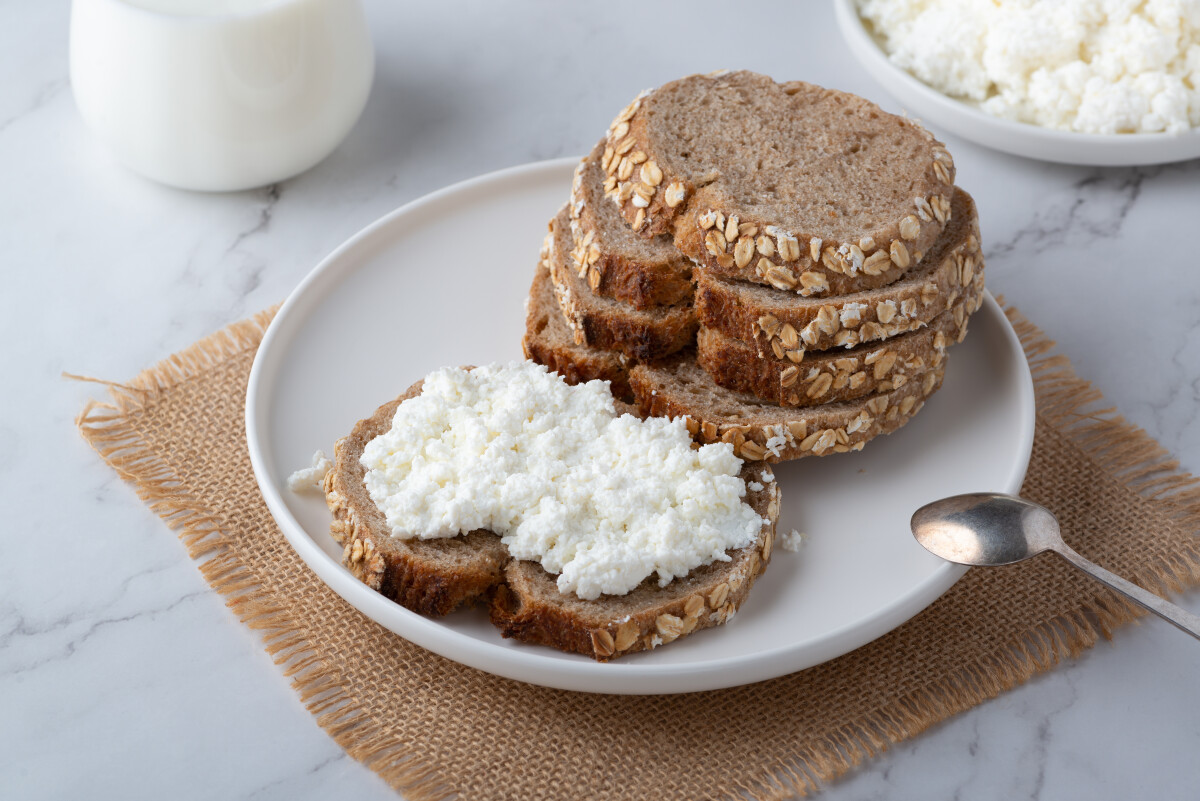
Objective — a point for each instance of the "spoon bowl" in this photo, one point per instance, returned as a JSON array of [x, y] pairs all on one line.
[[983, 529]]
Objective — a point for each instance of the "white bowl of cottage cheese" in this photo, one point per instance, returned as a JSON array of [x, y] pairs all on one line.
[[1098, 82]]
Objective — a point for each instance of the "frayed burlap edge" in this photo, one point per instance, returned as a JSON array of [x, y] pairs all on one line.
[[1064, 401], [1070, 405], [109, 427]]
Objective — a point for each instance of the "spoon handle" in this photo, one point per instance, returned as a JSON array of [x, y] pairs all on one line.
[[1168, 611]]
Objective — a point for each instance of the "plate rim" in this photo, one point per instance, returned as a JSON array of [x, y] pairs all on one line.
[[1009, 136], [533, 666]]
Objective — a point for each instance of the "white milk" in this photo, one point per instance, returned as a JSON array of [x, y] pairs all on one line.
[[220, 94]]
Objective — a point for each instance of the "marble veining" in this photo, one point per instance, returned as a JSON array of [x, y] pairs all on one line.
[[123, 676], [41, 96]]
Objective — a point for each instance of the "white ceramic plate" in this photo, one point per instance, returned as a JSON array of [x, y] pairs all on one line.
[[442, 281], [1022, 139]]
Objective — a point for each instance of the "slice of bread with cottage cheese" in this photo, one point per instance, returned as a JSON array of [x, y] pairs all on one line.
[[606, 323], [759, 429], [548, 340], [530, 608], [615, 262], [432, 577], [783, 321], [802, 188], [617, 599]]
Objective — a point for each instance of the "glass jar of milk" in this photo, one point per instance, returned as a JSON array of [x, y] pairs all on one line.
[[220, 94]]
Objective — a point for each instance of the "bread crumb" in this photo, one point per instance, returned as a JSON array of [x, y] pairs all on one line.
[[792, 541], [754, 486], [308, 479]]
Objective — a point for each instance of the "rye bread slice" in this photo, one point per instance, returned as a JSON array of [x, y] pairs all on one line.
[[758, 429], [786, 184], [833, 375], [529, 607], [606, 323], [615, 262], [548, 340], [432, 577], [435, 577], [763, 315]]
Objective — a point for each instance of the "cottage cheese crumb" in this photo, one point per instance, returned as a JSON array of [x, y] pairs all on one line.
[[308, 479], [1093, 66], [602, 501], [792, 541], [778, 438]]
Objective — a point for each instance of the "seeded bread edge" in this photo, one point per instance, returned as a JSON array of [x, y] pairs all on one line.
[[791, 433], [654, 203], [548, 341], [725, 304], [609, 324], [640, 283], [831, 375]]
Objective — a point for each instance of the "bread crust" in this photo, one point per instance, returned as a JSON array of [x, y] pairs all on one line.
[[435, 577], [548, 341], [608, 324], [754, 314], [708, 224], [833, 375], [609, 268], [771, 433]]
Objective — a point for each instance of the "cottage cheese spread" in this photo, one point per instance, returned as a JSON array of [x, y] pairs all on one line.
[[601, 500], [793, 541], [1094, 66], [309, 478]]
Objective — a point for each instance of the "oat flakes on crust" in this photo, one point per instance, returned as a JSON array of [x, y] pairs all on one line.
[[779, 184], [772, 320]]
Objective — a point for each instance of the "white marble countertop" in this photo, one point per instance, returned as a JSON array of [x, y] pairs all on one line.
[[123, 676]]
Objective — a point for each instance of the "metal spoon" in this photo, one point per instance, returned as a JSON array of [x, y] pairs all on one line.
[[989, 529]]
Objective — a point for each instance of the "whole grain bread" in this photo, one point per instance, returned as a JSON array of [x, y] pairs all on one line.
[[832, 375], [615, 262], [437, 576], [791, 185], [770, 319], [548, 340], [529, 607], [609, 324], [758, 429], [432, 577]]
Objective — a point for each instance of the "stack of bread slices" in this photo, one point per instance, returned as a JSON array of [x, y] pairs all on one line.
[[783, 265]]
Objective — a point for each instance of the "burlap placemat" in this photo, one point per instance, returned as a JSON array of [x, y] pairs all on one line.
[[436, 730]]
